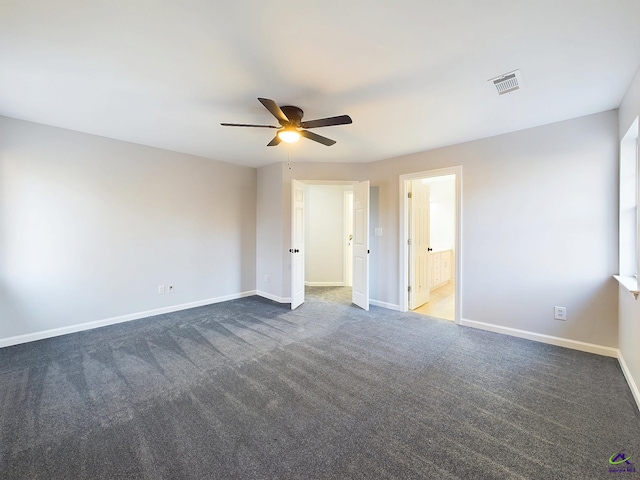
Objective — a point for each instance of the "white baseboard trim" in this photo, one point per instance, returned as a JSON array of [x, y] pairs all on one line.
[[275, 298], [540, 337], [56, 332], [635, 390], [324, 284], [390, 306]]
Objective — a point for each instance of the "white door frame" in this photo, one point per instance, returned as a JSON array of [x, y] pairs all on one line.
[[404, 234]]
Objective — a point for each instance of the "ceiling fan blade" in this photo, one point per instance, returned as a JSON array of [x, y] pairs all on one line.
[[317, 138], [246, 125], [276, 140], [274, 109], [327, 122]]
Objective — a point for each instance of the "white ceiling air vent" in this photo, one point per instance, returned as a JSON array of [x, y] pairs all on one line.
[[507, 83]]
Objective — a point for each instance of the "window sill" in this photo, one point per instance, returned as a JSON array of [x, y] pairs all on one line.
[[630, 283]]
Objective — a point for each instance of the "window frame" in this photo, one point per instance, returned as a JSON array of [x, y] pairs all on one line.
[[629, 224]]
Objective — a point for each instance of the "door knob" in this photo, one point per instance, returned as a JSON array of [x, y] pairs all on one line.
[[430, 249]]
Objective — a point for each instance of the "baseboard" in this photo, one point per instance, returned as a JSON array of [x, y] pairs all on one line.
[[390, 306], [635, 391], [539, 337], [324, 284], [275, 298], [56, 332]]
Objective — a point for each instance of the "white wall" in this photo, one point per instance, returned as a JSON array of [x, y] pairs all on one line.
[[90, 227], [629, 316], [324, 237], [443, 212]]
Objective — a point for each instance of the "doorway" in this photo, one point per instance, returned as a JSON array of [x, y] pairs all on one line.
[[430, 243], [330, 225], [327, 227], [329, 243]]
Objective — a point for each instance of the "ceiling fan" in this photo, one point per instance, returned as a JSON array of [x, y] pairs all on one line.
[[291, 125]]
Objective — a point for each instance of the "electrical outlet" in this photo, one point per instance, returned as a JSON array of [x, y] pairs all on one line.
[[161, 290], [170, 288], [560, 313]]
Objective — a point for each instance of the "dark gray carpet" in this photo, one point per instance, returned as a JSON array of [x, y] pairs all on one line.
[[248, 389]]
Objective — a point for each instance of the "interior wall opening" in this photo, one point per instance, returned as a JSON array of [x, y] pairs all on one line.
[[328, 241], [432, 235], [430, 239]]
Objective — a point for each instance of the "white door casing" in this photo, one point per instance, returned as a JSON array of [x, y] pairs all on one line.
[[297, 244], [420, 238], [360, 289]]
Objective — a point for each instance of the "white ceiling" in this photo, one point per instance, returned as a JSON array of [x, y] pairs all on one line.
[[412, 74]]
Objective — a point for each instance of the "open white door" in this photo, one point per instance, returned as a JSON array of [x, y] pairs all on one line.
[[348, 248], [419, 246], [360, 289], [297, 244]]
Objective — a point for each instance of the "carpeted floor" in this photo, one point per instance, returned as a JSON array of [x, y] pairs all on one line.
[[248, 389], [336, 295]]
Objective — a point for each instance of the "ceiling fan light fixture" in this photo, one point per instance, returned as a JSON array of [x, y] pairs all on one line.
[[289, 135], [290, 119]]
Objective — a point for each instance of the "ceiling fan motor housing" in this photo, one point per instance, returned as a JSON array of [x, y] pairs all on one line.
[[294, 114]]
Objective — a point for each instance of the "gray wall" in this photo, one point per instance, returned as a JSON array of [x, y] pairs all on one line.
[[90, 227], [539, 225], [629, 318], [270, 241]]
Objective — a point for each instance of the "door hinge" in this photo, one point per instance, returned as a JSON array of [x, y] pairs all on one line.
[[409, 241], [409, 195], [409, 288]]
